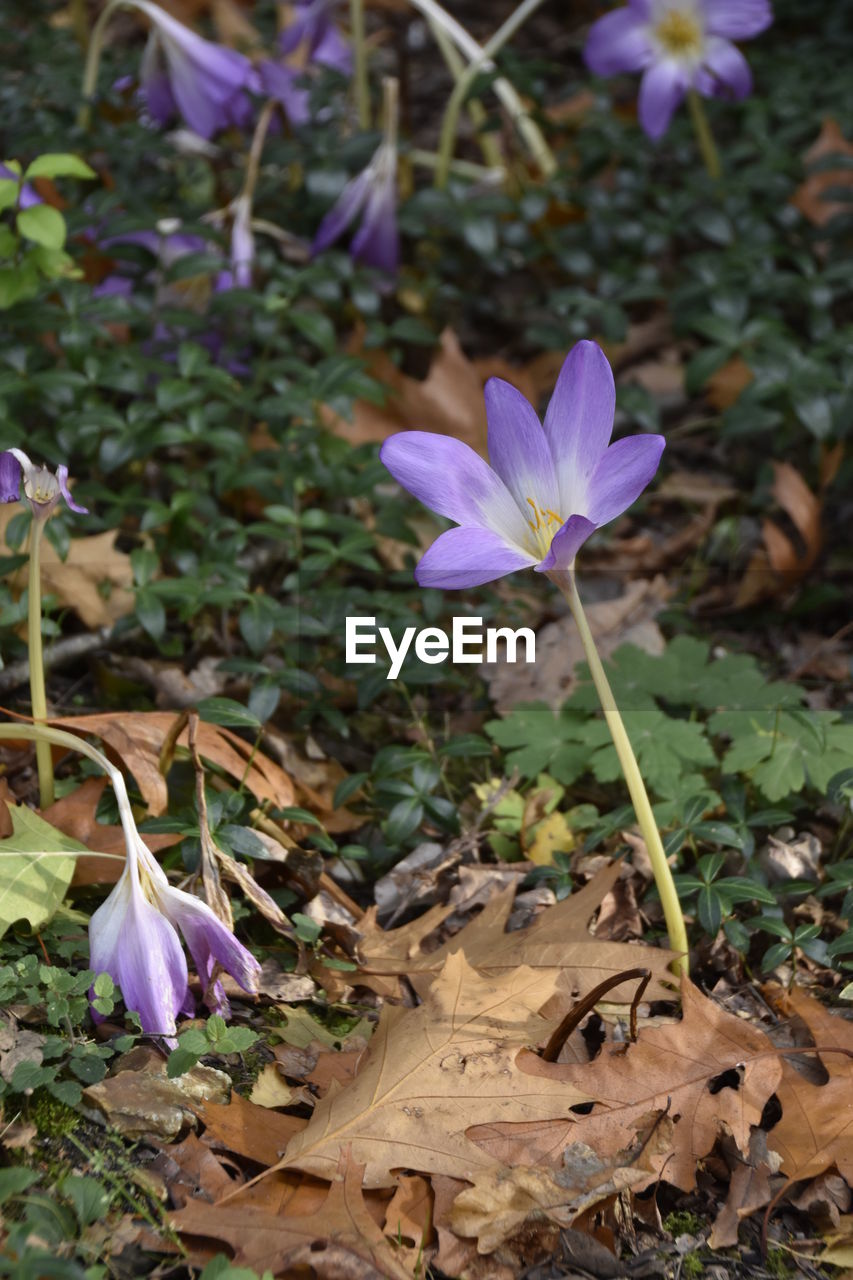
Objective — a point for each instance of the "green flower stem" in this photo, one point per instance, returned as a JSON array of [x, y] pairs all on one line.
[[93, 62], [43, 734], [450, 123], [645, 818], [390, 110], [704, 137], [488, 143], [530, 132], [362, 88], [38, 696]]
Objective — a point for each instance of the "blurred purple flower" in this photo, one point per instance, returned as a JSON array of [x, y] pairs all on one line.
[[133, 936], [239, 273], [182, 73], [280, 82], [42, 489], [679, 45], [374, 190], [547, 489], [27, 195], [313, 25]]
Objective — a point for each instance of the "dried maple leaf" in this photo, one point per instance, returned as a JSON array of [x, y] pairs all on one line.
[[816, 1129], [137, 737], [431, 1072], [558, 941], [340, 1233], [671, 1070]]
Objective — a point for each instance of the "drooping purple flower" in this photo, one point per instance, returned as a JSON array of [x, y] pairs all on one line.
[[40, 488], [372, 193], [239, 273], [133, 936], [27, 195], [313, 25], [679, 45], [547, 489], [280, 82], [184, 74]]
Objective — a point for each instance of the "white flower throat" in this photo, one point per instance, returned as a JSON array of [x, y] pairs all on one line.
[[680, 34]]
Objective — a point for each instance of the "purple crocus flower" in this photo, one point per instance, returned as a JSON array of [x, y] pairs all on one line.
[[182, 73], [547, 489], [27, 195], [374, 190], [679, 45], [313, 25], [133, 936], [279, 82], [42, 488]]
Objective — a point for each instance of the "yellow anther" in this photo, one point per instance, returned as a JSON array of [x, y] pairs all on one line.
[[535, 526], [679, 33]]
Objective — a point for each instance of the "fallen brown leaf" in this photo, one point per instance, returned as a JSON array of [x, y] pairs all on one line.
[[669, 1070], [557, 943], [137, 738], [779, 564], [246, 1129], [431, 1072], [816, 1128], [809, 196], [95, 579], [75, 815], [341, 1238]]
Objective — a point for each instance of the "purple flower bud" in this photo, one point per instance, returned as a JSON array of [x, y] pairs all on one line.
[[549, 485], [372, 193], [678, 45]]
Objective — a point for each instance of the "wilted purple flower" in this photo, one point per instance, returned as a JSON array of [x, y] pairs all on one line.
[[182, 73], [547, 489], [279, 82], [27, 195], [678, 45], [42, 489], [374, 190], [133, 937], [314, 26], [239, 273]]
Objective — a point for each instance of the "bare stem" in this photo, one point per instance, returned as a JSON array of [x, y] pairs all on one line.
[[530, 132], [639, 796], [362, 88], [488, 143], [704, 137], [38, 696]]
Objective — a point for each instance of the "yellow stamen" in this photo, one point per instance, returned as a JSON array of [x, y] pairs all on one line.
[[542, 529], [680, 34]]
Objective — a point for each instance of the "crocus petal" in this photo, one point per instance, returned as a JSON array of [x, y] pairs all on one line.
[[280, 83], [661, 90], [450, 478], [468, 557], [10, 477], [518, 448], [377, 241], [131, 941], [331, 50], [62, 477], [343, 211], [725, 71], [618, 42], [566, 543], [209, 940], [154, 82], [622, 475], [579, 421], [737, 19]]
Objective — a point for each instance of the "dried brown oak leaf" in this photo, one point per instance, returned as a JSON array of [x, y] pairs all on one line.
[[431, 1072], [339, 1239], [672, 1069], [558, 941], [816, 1129], [137, 738]]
